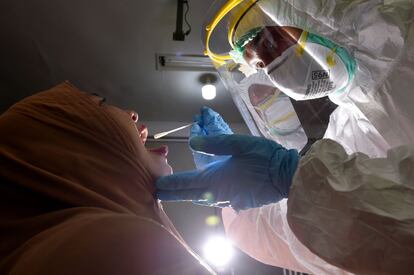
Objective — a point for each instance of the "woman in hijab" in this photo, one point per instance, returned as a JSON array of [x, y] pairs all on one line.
[[77, 191]]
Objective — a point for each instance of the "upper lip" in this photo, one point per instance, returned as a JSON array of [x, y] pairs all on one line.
[[143, 133]]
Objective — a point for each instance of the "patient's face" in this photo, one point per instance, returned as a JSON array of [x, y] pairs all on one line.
[[155, 159]]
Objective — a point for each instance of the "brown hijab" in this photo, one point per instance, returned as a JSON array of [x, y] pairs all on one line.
[[76, 196]]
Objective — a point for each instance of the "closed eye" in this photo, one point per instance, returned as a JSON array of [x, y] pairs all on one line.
[[101, 98]]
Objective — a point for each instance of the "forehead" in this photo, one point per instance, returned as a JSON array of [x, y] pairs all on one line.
[[273, 35]]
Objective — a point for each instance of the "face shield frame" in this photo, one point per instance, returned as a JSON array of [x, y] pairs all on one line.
[[229, 6], [316, 112]]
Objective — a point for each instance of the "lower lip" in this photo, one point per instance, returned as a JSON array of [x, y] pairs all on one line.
[[162, 151]]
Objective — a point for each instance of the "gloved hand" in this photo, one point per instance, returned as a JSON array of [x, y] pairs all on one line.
[[208, 123], [259, 172]]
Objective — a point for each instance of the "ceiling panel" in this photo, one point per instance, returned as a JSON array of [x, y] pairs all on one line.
[[107, 47]]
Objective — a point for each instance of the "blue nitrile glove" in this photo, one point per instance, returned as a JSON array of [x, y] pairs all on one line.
[[259, 172], [208, 123]]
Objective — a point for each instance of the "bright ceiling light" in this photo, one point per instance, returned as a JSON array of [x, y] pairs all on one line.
[[208, 91], [218, 251], [183, 62]]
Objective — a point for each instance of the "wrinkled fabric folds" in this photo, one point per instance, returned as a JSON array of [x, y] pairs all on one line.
[[76, 195], [362, 217], [345, 210]]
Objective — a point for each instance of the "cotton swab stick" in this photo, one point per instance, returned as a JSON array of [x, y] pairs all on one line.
[[163, 134]]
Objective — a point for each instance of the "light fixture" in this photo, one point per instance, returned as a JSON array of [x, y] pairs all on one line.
[[208, 91], [183, 62], [218, 251]]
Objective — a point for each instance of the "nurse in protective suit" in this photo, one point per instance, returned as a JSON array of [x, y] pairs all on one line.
[[350, 206]]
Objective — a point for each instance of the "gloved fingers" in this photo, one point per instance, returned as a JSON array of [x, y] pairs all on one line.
[[214, 123], [199, 120], [208, 114], [196, 130], [223, 144], [201, 159], [181, 181], [194, 195]]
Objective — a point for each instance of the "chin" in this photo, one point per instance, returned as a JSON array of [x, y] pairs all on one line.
[[162, 172], [159, 165], [167, 170]]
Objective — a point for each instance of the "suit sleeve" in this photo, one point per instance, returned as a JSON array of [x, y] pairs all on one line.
[[353, 211]]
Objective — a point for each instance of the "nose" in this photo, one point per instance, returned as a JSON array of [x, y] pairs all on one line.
[[133, 115]]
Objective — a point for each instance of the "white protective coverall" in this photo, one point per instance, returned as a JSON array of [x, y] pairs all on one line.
[[351, 204]]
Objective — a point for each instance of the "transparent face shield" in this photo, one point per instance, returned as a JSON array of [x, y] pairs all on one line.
[[265, 64]]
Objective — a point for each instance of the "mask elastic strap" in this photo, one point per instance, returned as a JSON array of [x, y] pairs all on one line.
[[283, 119], [266, 105], [300, 50], [330, 59]]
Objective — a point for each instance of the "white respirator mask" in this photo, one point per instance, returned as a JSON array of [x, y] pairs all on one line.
[[308, 71]]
